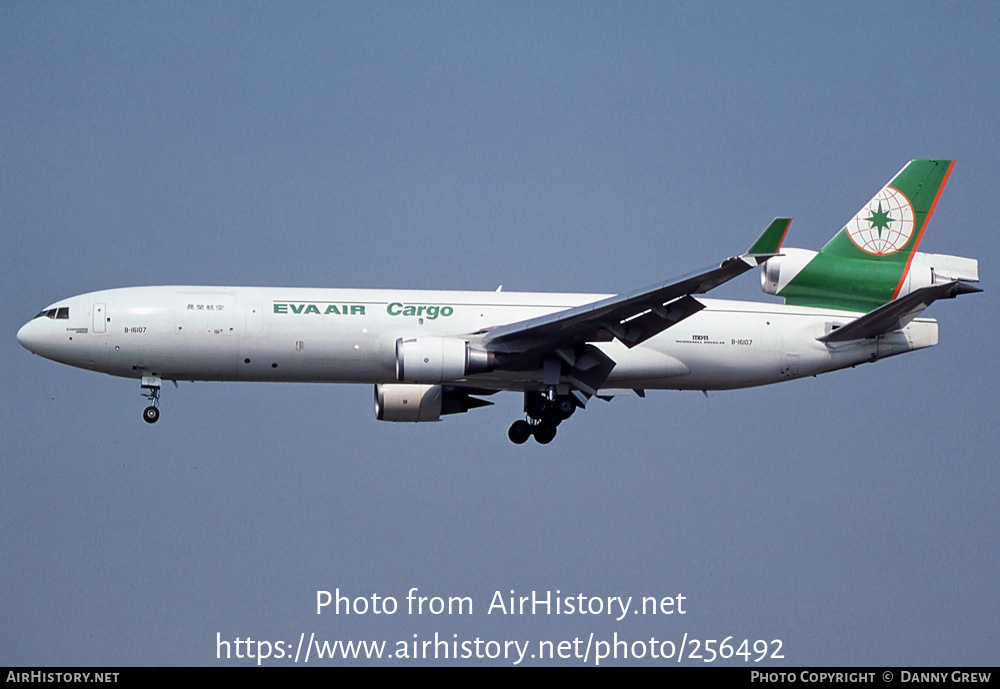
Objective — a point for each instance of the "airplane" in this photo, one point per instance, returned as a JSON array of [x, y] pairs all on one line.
[[435, 353]]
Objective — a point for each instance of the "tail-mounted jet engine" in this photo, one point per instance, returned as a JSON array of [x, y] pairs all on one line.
[[860, 279], [776, 272]]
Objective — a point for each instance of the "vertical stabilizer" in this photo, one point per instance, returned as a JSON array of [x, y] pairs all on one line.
[[865, 264]]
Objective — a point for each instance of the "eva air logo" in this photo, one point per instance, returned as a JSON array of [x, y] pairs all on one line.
[[884, 225]]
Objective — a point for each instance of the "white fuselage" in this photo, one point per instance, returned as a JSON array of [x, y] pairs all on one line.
[[350, 335]]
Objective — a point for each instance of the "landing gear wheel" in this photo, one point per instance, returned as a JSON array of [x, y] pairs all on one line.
[[544, 433], [151, 391], [519, 432], [535, 405], [565, 406]]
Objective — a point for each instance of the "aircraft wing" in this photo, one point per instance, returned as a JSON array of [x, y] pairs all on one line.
[[896, 314], [633, 317]]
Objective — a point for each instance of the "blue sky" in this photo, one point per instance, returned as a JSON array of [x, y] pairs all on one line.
[[564, 147]]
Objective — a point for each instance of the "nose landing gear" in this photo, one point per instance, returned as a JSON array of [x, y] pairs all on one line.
[[151, 391]]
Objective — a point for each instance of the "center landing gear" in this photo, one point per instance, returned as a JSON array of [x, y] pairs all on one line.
[[151, 391], [545, 411]]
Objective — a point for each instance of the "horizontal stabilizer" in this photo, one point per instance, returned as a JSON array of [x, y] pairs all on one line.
[[896, 314]]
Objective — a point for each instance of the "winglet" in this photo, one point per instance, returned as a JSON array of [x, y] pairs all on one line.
[[769, 242]]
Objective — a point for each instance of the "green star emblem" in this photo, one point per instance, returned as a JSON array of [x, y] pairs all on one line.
[[880, 220]]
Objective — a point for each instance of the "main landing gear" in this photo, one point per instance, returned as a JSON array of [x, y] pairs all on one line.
[[151, 391], [544, 412]]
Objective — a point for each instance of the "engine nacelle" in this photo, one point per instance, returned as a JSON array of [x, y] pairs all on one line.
[[858, 283], [408, 402], [418, 403], [933, 269], [778, 271], [439, 359]]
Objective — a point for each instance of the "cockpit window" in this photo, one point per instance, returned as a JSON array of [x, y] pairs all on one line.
[[62, 312]]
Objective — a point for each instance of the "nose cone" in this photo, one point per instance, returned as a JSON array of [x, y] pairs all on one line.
[[28, 336]]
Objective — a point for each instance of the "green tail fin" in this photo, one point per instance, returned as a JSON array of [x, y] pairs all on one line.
[[864, 265]]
